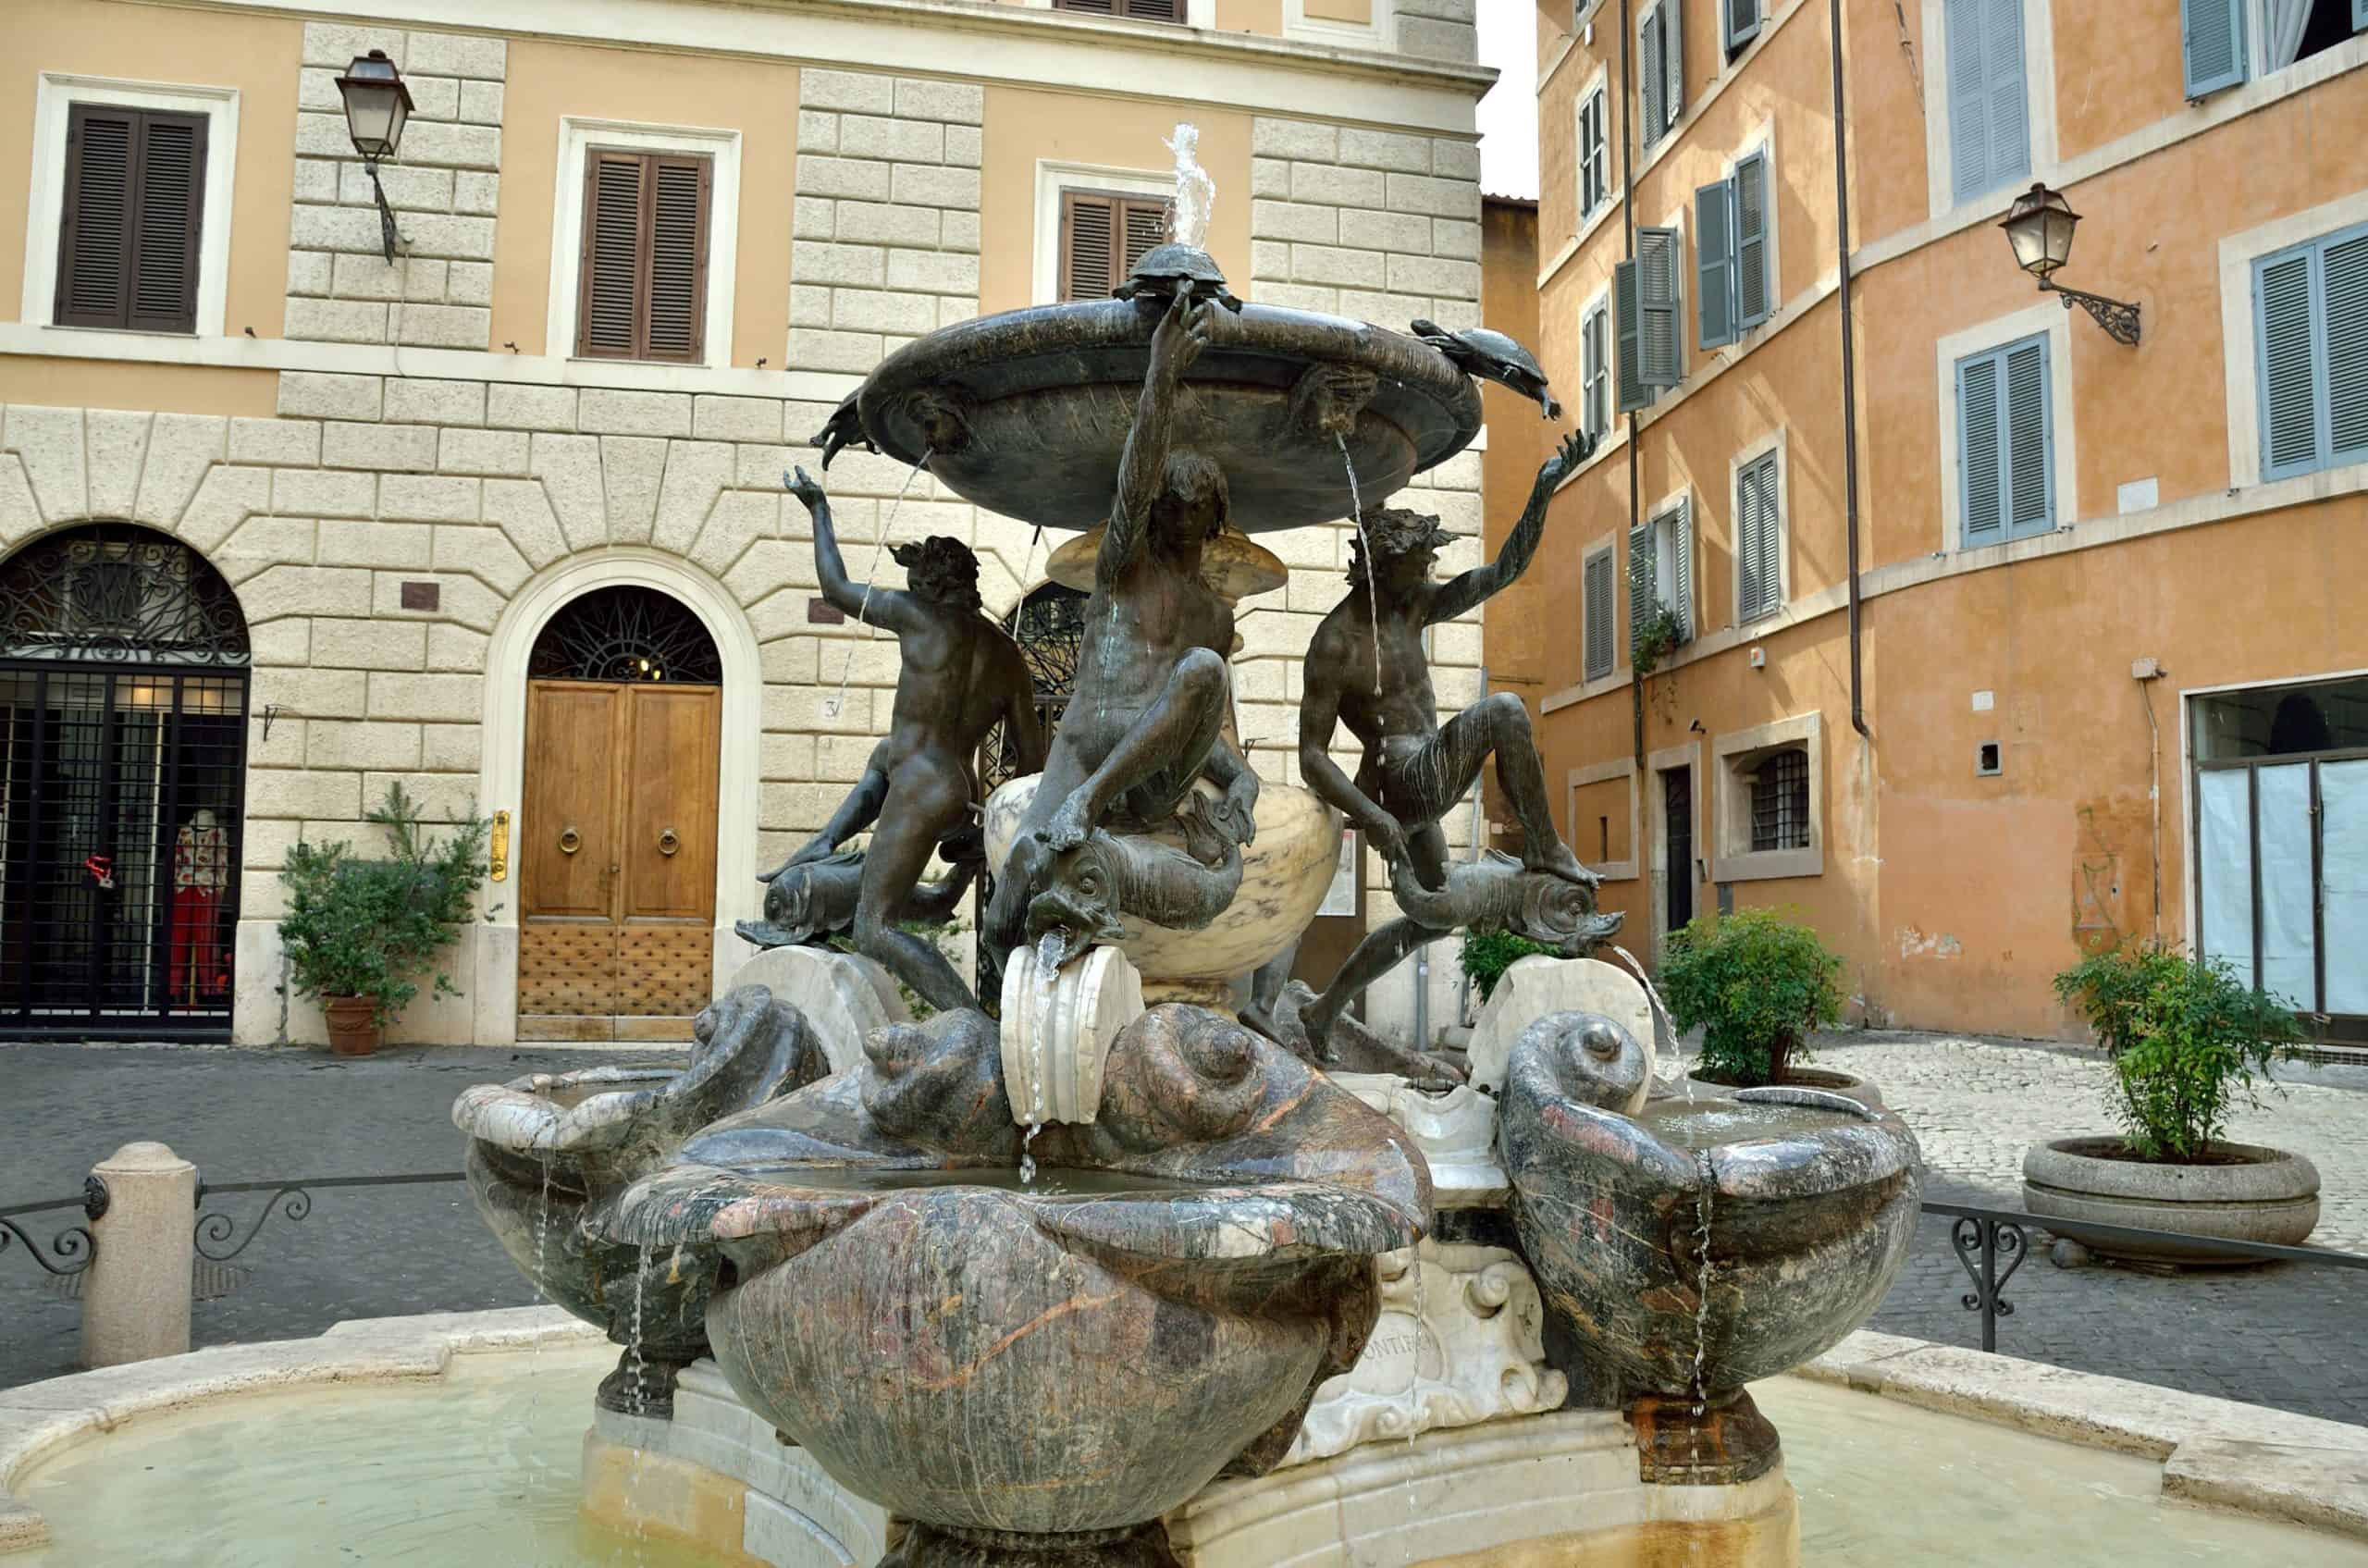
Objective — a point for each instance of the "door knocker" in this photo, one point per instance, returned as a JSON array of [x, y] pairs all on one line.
[[570, 841], [669, 841]]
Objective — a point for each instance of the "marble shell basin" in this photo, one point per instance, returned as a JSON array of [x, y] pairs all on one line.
[[1078, 1353], [1804, 1203], [1285, 873], [1026, 411]]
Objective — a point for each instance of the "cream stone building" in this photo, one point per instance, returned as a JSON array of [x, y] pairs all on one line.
[[501, 521]]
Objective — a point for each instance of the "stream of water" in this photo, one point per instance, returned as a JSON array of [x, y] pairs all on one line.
[[1364, 541]]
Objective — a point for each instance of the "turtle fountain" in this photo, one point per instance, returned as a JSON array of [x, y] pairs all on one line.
[[1125, 1262]]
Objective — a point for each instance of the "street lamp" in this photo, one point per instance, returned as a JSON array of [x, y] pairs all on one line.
[[377, 105], [2039, 226]]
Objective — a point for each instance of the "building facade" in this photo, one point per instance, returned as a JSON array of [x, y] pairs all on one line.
[[501, 520], [2058, 650]]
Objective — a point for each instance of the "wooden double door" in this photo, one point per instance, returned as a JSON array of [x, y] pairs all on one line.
[[616, 859]]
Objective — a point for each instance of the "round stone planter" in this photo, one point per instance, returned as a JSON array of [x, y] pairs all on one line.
[[2270, 1196]]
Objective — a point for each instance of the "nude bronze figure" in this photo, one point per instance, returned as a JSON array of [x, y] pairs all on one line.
[[1153, 685], [960, 675]]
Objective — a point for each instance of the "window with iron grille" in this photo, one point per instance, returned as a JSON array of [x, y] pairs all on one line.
[[642, 288], [133, 212], [1103, 234], [1780, 802], [1140, 10]]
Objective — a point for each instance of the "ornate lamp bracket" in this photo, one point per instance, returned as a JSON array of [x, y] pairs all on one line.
[[2118, 319]]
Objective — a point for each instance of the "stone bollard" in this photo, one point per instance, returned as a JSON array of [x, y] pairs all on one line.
[[136, 1292]]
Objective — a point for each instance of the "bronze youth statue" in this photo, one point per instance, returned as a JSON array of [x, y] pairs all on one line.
[[1416, 770], [960, 675], [1152, 690]]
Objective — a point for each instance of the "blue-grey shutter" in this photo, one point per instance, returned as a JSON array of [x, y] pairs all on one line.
[[2347, 346], [2212, 43], [1714, 262], [2031, 440], [1652, 112], [1659, 324], [1626, 302], [1678, 597], [1742, 18], [1601, 647], [1592, 411], [1673, 56], [1981, 455], [1760, 587], [1754, 288], [1989, 119], [2284, 322], [1642, 598]]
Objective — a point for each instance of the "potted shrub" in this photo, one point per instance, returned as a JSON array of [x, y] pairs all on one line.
[[1487, 955], [2189, 1042], [1756, 982], [358, 933]]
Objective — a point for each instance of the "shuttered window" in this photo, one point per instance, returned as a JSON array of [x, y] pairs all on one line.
[[1990, 143], [1759, 582], [1625, 297], [2311, 319], [1741, 19], [134, 211], [1660, 69], [2006, 443], [1138, 10], [1714, 262], [1103, 236], [642, 293], [1595, 371], [1601, 643], [1595, 160], [1660, 358], [1660, 570], [1755, 287], [2212, 44]]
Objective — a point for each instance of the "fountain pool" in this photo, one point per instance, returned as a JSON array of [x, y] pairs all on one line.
[[481, 1465]]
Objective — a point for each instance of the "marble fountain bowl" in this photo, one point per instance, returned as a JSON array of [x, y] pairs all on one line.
[[1026, 412], [544, 1149], [1285, 871], [1791, 1209], [1071, 1355]]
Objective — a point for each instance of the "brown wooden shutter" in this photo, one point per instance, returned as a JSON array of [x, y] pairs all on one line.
[[641, 287], [1141, 10], [134, 209], [1101, 239]]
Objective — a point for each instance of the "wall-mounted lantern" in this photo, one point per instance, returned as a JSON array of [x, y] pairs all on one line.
[[2039, 226], [377, 105]]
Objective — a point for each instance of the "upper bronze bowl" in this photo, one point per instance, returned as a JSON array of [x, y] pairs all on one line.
[[1026, 412]]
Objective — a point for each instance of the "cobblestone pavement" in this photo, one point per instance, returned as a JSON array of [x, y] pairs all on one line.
[[2286, 1336]]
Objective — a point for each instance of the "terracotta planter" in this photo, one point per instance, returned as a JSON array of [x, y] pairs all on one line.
[[354, 1025], [2262, 1195]]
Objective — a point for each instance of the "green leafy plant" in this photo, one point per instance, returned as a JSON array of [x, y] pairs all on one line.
[[1487, 955], [370, 928], [2188, 1040], [1656, 639], [1758, 984]]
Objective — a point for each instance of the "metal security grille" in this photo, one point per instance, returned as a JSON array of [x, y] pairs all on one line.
[[1780, 802], [625, 635], [1049, 625], [123, 702]]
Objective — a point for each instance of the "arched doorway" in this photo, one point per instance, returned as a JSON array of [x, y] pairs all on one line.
[[123, 702], [616, 831]]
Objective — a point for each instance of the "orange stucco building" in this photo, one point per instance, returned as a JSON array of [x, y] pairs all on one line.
[[2099, 678]]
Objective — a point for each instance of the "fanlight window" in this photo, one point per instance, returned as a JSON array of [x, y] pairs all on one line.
[[626, 634], [121, 594]]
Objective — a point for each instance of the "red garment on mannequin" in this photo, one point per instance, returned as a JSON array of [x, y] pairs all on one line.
[[196, 942]]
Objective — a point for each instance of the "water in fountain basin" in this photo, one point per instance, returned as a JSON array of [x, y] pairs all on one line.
[[1372, 592], [1709, 1124], [1669, 1025]]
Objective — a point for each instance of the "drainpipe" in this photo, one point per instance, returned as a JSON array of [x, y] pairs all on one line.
[[1628, 234], [1849, 381]]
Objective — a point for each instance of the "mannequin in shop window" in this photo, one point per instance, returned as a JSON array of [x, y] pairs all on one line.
[[201, 871]]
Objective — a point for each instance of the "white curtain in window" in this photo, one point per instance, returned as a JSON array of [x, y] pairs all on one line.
[[2224, 861], [2343, 854], [2282, 23], [2289, 950]]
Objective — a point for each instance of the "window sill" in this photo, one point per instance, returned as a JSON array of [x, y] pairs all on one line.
[[168, 334], [1769, 865]]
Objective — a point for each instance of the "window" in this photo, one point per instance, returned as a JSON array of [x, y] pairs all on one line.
[[1600, 651], [1595, 161], [134, 213], [2311, 321], [2215, 36], [1660, 570], [1141, 10], [1660, 69], [1739, 22], [1595, 369], [1779, 800], [1103, 236], [643, 268], [1759, 538], [2006, 442], [1645, 293], [1731, 252], [1990, 142]]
